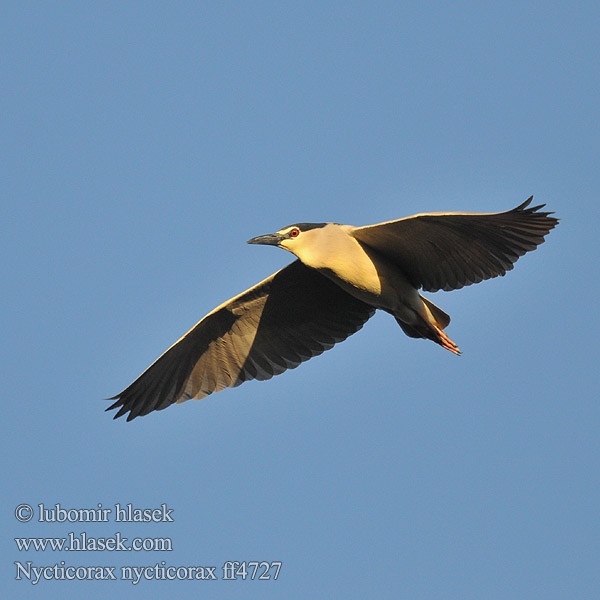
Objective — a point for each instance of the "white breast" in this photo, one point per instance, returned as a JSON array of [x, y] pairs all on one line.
[[357, 269]]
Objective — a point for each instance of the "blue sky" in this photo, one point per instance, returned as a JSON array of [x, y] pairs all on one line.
[[143, 143]]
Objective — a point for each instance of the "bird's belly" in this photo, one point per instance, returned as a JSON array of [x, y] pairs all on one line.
[[383, 286]]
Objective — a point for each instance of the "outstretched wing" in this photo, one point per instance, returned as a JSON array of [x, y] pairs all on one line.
[[446, 251], [289, 317]]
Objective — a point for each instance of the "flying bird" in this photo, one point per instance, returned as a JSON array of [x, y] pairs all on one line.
[[342, 275]]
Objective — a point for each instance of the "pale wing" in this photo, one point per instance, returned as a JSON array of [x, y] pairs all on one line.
[[446, 251], [286, 319]]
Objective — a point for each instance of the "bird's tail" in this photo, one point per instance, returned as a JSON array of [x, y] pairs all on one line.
[[442, 319], [431, 326]]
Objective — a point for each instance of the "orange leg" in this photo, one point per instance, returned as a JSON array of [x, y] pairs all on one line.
[[446, 342]]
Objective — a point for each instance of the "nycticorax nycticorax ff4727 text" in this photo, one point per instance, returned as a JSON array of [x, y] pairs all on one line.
[[342, 275]]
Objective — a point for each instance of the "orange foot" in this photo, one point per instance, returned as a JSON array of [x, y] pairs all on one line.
[[446, 342]]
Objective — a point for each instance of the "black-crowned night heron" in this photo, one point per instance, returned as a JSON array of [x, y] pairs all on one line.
[[343, 275]]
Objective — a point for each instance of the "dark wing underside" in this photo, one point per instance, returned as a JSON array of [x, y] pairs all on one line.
[[286, 319], [446, 251]]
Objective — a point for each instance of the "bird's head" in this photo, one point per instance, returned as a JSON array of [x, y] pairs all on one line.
[[294, 238]]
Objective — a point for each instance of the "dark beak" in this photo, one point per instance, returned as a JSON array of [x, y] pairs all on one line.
[[271, 239]]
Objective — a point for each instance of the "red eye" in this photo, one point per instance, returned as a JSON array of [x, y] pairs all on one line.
[[294, 233]]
